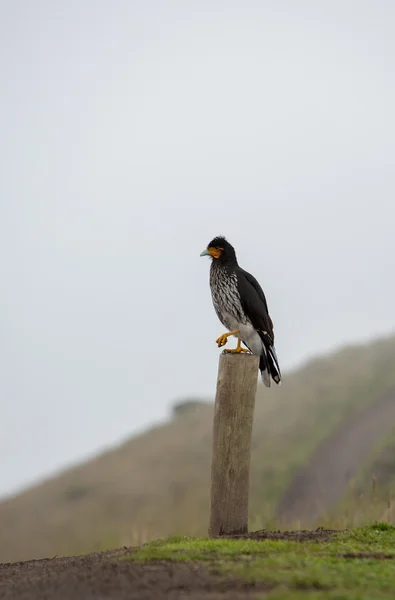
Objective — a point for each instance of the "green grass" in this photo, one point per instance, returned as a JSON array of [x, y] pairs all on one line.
[[311, 570]]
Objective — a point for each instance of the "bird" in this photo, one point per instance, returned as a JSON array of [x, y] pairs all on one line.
[[240, 305]]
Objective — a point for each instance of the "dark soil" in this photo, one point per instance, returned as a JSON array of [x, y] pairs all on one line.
[[320, 535], [103, 576], [377, 555]]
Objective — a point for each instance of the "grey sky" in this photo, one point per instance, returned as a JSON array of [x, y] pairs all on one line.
[[131, 134]]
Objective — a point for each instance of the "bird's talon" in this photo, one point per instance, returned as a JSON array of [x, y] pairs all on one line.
[[237, 350], [222, 340]]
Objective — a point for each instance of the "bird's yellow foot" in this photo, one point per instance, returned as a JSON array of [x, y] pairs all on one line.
[[223, 339], [236, 350]]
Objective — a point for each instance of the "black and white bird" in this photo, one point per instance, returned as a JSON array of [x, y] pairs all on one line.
[[241, 307]]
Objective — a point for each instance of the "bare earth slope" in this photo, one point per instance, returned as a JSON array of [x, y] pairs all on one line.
[[323, 481], [101, 575]]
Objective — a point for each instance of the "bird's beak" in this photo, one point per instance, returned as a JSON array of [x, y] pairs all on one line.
[[205, 252]]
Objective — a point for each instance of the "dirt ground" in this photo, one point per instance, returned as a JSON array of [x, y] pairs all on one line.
[[319, 535], [324, 480], [102, 576]]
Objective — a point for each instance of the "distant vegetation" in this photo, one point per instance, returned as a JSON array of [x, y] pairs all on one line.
[[157, 483], [371, 493]]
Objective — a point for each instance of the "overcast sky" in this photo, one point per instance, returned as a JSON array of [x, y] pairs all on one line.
[[134, 132]]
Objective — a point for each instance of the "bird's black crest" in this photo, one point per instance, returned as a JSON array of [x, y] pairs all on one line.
[[218, 242], [228, 253]]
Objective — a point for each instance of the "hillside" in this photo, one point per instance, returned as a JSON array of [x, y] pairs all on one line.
[[157, 483], [371, 493], [335, 464]]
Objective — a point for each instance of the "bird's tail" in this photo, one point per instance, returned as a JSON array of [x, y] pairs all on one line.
[[264, 368], [269, 367]]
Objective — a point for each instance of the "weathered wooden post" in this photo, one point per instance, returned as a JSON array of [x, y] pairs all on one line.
[[233, 417]]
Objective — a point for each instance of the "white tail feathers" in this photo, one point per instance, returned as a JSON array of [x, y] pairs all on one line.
[[269, 366], [273, 364], [266, 377]]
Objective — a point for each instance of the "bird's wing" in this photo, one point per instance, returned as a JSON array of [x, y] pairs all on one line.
[[254, 303]]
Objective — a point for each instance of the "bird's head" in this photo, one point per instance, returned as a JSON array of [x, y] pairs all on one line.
[[220, 249]]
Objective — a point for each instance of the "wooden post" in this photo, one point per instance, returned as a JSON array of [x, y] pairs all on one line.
[[230, 469]]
